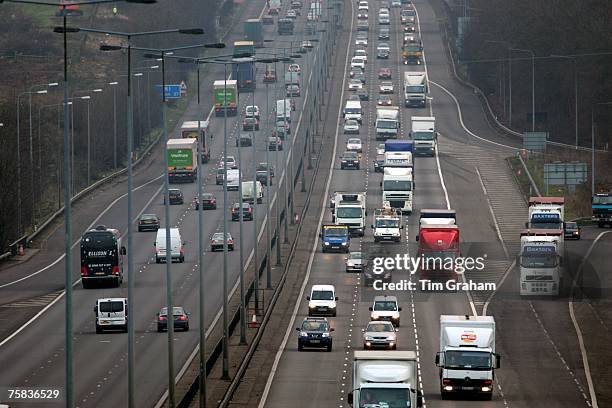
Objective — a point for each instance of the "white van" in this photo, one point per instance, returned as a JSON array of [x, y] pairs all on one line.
[[283, 110], [111, 314], [352, 110], [176, 245], [247, 191], [322, 300], [233, 178]]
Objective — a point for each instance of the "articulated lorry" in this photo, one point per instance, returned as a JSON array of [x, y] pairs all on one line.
[[467, 358], [350, 210], [397, 187], [424, 135], [415, 89], [546, 213], [226, 94], [385, 379], [438, 243], [189, 130], [243, 71], [182, 160], [601, 205], [387, 225], [253, 31], [540, 260], [387, 123]]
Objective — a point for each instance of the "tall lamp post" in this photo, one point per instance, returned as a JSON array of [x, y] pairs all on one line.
[[69, 397], [532, 84], [509, 49], [593, 143], [88, 98], [575, 61]]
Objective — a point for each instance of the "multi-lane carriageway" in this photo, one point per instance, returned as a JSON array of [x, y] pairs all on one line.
[[537, 369], [34, 356], [468, 175]]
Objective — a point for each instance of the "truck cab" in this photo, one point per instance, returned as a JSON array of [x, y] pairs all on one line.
[[397, 186], [387, 225], [601, 206], [335, 238], [424, 135], [467, 357], [540, 262], [111, 314], [350, 210], [439, 247], [546, 213]]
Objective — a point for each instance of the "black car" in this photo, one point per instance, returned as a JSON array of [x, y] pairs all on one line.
[[263, 166], [379, 163], [250, 123], [382, 54], [209, 202], [361, 77], [349, 160], [148, 222], [571, 230], [247, 212], [363, 95], [316, 333], [181, 319], [219, 176], [176, 196], [383, 34], [244, 140]]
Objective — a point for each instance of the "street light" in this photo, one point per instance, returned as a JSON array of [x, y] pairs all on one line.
[[114, 85], [575, 60], [507, 44], [593, 144], [532, 84]]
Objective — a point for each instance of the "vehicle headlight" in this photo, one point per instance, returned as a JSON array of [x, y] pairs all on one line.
[[344, 243], [369, 338], [325, 335], [326, 243], [392, 343], [396, 315], [375, 316], [303, 334], [311, 306]]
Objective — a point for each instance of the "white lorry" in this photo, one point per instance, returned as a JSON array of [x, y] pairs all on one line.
[[352, 110], [350, 210], [424, 135], [283, 110], [385, 379], [387, 123], [398, 159], [387, 225], [397, 186], [546, 213], [415, 89], [467, 358], [540, 260]]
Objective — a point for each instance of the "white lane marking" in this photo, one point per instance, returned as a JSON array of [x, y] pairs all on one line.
[[585, 360], [497, 230], [499, 285], [279, 353], [78, 240], [463, 124], [43, 310]]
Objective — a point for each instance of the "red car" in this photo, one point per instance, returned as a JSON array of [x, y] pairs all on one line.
[[384, 73]]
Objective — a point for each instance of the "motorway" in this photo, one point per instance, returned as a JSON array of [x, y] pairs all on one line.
[[451, 180], [100, 360]]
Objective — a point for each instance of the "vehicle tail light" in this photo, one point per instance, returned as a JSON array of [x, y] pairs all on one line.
[[250, 210], [84, 271], [214, 242], [162, 318], [189, 174], [446, 381], [115, 270], [487, 383], [213, 201], [182, 318]]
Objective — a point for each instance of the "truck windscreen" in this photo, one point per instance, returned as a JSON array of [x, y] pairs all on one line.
[[422, 135], [396, 185], [546, 221], [539, 257], [473, 360], [351, 212], [386, 124], [415, 89], [335, 232], [385, 223], [384, 397], [602, 200]]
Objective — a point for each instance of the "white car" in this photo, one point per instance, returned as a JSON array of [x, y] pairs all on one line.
[[380, 335], [351, 126], [362, 15], [361, 41], [291, 14], [252, 111], [355, 84], [383, 47], [354, 145], [294, 68], [386, 308], [231, 162], [384, 19], [385, 87], [361, 53], [358, 62], [322, 300], [363, 5], [396, 3], [353, 262], [380, 149]]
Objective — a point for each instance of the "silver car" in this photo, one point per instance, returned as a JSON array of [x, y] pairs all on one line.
[[353, 262], [380, 335]]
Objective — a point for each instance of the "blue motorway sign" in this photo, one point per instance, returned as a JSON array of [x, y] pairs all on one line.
[[172, 91]]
